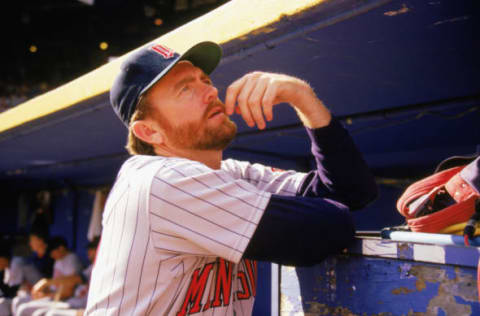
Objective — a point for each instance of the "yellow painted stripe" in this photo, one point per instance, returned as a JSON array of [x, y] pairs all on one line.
[[230, 21], [457, 229]]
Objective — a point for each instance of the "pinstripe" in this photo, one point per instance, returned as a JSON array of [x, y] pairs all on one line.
[[171, 257], [175, 295], [129, 257], [154, 289], [206, 201], [252, 171], [200, 234], [238, 185], [249, 191], [104, 275], [196, 215], [141, 274], [177, 291], [176, 251], [219, 190], [116, 259], [187, 219], [117, 201], [107, 255], [175, 267], [274, 180], [165, 234], [244, 264]]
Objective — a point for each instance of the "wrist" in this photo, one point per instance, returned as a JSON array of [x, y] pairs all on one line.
[[312, 111]]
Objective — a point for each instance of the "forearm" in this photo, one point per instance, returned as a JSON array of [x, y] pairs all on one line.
[[341, 172], [300, 231], [66, 280], [310, 109]]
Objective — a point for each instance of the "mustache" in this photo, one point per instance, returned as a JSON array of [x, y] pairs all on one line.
[[214, 104]]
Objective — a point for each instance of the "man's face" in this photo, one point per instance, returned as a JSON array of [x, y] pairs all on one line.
[[37, 245], [91, 253], [57, 253], [3, 263], [187, 109]]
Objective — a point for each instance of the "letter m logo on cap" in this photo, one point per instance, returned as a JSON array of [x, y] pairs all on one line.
[[163, 50]]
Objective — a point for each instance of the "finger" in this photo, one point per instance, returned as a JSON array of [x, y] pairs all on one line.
[[268, 101], [242, 101], [255, 102], [231, 95]]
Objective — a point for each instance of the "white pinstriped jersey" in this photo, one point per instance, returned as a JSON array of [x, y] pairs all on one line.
[[174, 232]]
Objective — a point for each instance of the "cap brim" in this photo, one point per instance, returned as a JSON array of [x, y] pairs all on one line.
[[204, 55]]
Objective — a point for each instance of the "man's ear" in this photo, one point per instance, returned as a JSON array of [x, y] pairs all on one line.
[[148, 133]]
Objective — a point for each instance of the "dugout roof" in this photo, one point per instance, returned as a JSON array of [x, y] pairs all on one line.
[[402, 76]]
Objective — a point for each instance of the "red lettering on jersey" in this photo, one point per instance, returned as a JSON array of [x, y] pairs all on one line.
[[252, 274], [223, 284], [208, 303], [195, 291], [246, 293], [163, 50]]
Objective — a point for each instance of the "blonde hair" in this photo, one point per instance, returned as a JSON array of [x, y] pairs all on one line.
[[136, 146]]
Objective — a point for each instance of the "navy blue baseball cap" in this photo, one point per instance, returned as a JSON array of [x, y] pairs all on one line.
[[141, 70]]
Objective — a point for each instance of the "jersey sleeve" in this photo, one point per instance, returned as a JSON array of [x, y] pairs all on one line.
[[471, 174], [265, 178], [195, 210], [340, 171], [71, 265], [14, 274]]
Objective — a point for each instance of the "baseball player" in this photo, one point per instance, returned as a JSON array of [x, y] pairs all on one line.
[[182, 228]]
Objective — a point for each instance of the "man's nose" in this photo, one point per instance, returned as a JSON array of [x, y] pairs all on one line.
[[210, 94]]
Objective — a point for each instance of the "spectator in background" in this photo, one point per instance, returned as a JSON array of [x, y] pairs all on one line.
[[38, 241], [77, 303], [18, 274], [67, 264]]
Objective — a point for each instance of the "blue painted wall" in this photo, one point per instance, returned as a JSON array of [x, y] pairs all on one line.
[[72, 210]]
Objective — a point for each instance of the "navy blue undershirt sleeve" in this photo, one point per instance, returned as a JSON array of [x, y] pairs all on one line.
[[303, 230], [300, 231], [341, 174], [9, 291]]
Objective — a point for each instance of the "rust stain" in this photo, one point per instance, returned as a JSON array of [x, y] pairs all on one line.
[[403, 10], [463, 285], [402, 290], [420, 284], [450, 288], [412, 313], [403, 250], [324, 309]]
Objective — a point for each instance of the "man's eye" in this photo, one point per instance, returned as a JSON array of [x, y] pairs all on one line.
[[184, 89]]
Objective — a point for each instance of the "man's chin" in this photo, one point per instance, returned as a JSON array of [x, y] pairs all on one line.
[[223, 136]]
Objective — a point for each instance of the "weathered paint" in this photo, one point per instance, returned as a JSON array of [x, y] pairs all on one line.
[[388, 284]]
